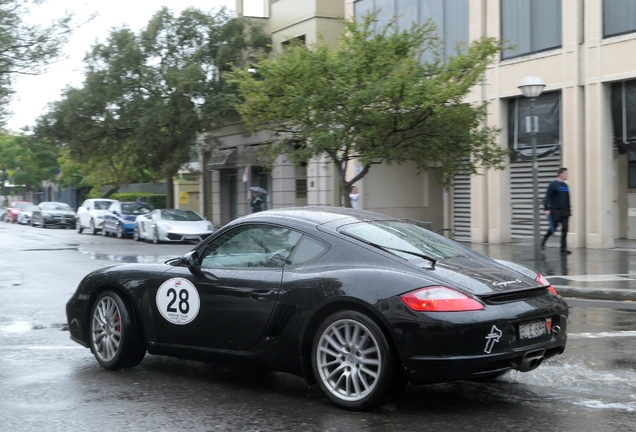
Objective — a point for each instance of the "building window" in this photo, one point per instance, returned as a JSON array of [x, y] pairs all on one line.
[[451, 17], [547, 108], [530, 26], [619, 16], [624, 123]]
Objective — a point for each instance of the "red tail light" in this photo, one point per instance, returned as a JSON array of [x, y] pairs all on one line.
[[543, 281], [439, 299]]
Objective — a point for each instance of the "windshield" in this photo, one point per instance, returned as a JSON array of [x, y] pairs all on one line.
[[180, 215], [21, 205], [405, 236], [135, 208], [55, 206]]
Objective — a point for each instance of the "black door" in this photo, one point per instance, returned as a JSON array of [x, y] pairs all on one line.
[[226, 302]]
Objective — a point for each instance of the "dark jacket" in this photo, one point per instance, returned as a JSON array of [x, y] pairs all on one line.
[[557, 197], [257, 204]]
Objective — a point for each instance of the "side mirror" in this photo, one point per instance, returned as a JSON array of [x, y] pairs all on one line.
[[191, 259], [114, 211]]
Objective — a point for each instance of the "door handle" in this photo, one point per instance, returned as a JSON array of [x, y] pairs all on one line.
[[261, 295]]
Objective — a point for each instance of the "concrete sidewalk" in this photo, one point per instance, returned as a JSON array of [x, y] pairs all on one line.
[[603, 274]]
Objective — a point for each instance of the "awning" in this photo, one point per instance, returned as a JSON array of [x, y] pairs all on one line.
[[251, 156], [222, 159]]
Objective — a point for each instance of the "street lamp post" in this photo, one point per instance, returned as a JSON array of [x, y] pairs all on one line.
[[531, 87]]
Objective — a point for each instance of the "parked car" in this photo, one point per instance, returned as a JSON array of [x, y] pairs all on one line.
[[90, 215], [357, 302], [56, 214], [24, 217], [172, 225], [121, 216], [11, 215]]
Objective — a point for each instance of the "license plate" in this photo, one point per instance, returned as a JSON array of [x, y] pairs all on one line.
[[532, 330]]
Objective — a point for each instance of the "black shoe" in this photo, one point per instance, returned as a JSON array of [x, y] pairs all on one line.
[[565, 251]]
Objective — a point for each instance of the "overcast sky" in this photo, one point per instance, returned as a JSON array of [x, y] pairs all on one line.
[[34, 92]]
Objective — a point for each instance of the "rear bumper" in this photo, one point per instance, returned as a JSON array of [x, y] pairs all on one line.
[[423, 370]]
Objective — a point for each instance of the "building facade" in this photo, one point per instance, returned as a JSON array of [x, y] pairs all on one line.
[[582, 50]]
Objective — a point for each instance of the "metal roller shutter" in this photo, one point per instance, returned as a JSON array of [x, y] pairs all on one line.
[[461, 208], [521, 193]]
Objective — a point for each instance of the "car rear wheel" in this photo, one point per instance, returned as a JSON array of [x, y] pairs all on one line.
[[116, 340], [353, 362], [92, 228], [120, 232]]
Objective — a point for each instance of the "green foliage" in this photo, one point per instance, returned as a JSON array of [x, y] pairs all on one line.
[[147, 96], [27, 161], [158, 201], [371, 98]]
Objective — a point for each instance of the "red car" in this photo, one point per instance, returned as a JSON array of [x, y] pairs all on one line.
[[14, 209]]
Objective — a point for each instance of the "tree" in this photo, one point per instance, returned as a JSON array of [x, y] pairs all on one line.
[[371, 98], [147, 96], [26, 49], [26, 161]]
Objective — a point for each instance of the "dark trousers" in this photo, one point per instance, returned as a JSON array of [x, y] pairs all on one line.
[[558, 217]]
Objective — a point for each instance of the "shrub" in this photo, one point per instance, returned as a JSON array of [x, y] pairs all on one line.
[[155, 200]]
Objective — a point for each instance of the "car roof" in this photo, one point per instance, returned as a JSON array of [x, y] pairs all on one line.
[[317, 215]]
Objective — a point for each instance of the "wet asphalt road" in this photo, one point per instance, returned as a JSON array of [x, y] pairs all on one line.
[[48, 382]]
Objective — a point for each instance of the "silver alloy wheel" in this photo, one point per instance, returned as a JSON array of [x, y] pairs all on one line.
[[349, 360], [92, 227], [106, 329], [120, 233]]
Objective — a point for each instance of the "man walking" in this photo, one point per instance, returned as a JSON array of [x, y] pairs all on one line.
[[557, 208]]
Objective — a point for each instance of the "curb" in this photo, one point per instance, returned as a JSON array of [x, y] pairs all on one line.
[[595, 293]]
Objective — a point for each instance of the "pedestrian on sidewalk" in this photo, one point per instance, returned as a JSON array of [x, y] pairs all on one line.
[[557, 208], [353, 197]]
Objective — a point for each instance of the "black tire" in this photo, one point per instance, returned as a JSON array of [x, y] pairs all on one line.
[[116, 340], [92, 227], [136, 235], [78, 227], [342, 378]]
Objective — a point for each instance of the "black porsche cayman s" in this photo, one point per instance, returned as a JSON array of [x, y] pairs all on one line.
[[359, 303]]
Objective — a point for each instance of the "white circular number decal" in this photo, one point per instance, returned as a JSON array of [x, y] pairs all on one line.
[[178, 301]]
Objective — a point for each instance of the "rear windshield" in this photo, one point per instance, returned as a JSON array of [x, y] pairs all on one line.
[[135, 208], [102, 205], [180, 215], [404, 236]]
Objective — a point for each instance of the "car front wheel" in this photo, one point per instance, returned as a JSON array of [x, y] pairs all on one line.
[[78, 227], [136, 235], [116, 340], [353, 363], [92, 228]]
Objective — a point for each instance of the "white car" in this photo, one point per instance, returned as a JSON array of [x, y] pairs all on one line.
[[90, 215], [172, 225], [24, 217]]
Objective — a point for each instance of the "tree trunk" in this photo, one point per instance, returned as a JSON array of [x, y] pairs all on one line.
[[112, 190], [170, 191]]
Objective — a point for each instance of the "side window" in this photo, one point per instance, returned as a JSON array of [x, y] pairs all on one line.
[[307, 249], [251, 246]]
